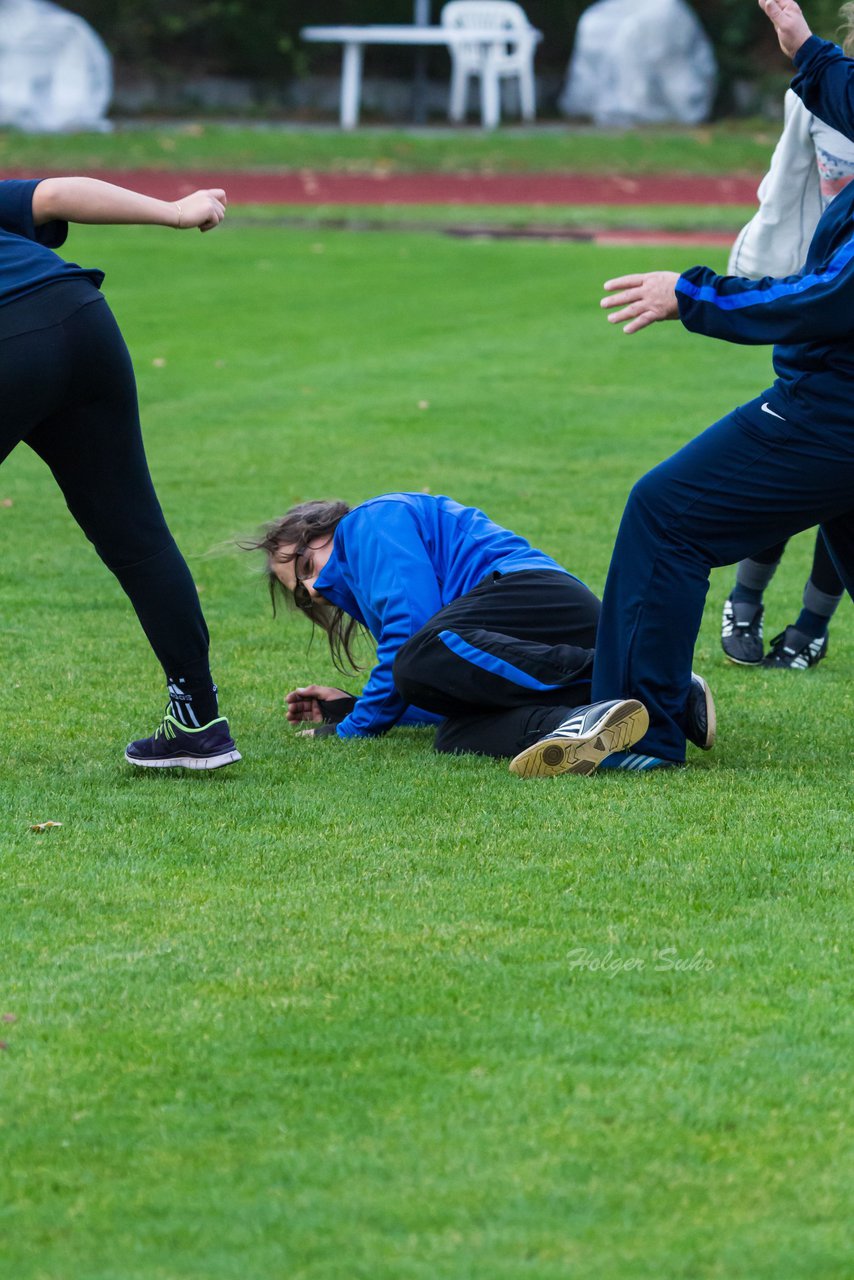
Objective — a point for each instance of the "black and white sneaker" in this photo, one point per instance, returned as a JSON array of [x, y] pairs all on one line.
[[584, 740], [701, 721], [741, 632], [175, 745], [795, 650]]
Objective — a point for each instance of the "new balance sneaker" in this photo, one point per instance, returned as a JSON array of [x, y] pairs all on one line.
[[584, 740], [701, 721], [741, 632], [174, 744], [795, 650]]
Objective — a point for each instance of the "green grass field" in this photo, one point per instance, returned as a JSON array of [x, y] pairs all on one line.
[[352, 1011], [726, 219], [726, 147]]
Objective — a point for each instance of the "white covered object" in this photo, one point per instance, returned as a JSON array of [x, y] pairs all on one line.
[[640, 62], [55, 72]]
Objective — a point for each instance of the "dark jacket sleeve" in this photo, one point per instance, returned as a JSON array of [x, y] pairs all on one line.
[[16, 214], [812, 306], [825, 83]]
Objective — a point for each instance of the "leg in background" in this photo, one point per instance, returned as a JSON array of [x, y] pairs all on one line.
[[822, 594], [753, 575], [742, 621], [804, 643]]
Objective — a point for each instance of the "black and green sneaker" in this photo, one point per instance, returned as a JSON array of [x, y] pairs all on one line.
[[174, 745]]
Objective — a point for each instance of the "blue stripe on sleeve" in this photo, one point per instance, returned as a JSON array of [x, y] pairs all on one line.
[[488, 662], [782, 289]]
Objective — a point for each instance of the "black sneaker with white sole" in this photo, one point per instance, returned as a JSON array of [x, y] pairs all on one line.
[[584, 740], [741, 632], [701, 721], [174, 745], [796, 651]]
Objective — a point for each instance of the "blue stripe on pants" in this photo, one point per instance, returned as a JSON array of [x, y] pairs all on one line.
[[489, 662]]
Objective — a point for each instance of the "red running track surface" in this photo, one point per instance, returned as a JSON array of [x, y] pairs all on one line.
[[310, 187]]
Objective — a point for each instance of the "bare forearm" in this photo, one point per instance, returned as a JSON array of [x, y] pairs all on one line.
[[93, 201], [90, 200]]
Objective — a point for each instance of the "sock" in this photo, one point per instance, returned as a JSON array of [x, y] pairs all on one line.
[[819, 608], [192, 705], [745, 595], [811, 624], [751, 579]]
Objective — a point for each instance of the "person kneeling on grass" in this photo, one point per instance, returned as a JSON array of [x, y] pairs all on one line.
[[68, 391], [477, 632]]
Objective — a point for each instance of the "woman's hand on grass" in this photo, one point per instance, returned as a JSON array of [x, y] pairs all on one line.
[[643, 299], [304, 704]]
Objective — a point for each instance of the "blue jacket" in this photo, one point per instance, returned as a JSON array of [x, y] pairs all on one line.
[[809, 316], [396, 560]]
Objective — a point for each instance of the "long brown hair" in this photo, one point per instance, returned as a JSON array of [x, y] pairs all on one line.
[[303, 524]]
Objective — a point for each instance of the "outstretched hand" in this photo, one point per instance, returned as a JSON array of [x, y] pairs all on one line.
[[304, 704], [789, 23], [642, 299], [202, 209]]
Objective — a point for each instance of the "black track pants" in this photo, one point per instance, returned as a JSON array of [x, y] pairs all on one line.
[[505, 662], [69, 392]]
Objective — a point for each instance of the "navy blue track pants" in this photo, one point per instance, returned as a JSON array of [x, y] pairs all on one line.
[[752, 479]]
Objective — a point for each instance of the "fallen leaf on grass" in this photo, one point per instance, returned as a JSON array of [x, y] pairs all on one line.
[[44, 826]]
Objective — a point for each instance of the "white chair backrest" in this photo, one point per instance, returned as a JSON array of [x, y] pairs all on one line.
[[488, 14]]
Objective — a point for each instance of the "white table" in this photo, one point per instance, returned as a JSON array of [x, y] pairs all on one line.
[[354, 40]]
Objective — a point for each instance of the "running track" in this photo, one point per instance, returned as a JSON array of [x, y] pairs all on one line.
[[310, 187]]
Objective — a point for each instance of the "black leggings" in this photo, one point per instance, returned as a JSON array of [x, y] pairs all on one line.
[[505, 663], [69, 393]]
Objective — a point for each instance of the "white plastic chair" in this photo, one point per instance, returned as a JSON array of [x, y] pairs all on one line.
[[491, 62]]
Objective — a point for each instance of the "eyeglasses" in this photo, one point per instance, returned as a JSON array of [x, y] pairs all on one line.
[[303, 568]]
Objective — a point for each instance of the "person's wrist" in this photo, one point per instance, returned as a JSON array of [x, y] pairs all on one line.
[[325, 730], [180, 214], [806, 50]]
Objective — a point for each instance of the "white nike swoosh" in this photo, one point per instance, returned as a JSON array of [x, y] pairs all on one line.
[[766, 408]]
